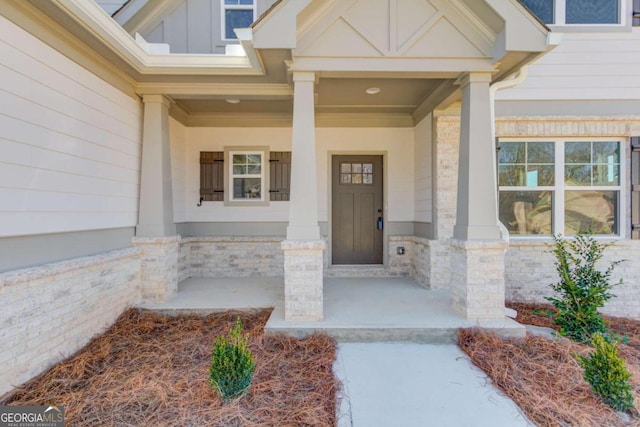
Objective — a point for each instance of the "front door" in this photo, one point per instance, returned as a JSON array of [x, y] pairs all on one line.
[[356, 215]]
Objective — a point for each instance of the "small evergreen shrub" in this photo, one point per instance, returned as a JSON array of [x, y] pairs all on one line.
[[607, 375], [232, 364], [582, 288]]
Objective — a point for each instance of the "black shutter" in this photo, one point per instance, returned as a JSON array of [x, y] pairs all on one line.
[[635, 187], [212, 176], [636, 9], [279, 175]]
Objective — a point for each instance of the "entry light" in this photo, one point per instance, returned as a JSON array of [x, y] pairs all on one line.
[[233, 100], [636, 14], [373, 90]]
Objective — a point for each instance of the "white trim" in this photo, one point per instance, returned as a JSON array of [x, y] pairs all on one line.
[[558, 200], [261, 175], [224, 7]]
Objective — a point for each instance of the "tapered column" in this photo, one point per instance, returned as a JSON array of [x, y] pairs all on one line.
[[303, 249], [303, 200], [477, 251], [155, 217], [156, 232], [477, 208]]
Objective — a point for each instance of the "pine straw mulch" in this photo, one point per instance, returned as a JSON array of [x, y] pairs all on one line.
[[152, 370], [542, 375]]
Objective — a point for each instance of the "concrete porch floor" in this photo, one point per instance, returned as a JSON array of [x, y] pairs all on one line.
[[380, 309]]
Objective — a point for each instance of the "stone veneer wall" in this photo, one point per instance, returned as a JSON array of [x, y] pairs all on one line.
[[530, 269], [231, 257], [51, 311]]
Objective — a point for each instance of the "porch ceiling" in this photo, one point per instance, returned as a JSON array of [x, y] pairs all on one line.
[[334, 95]]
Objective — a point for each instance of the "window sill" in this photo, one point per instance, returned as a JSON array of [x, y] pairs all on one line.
[[248, 203]]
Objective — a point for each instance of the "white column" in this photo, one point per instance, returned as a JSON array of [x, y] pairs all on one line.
[[303, 249], [155, 218], [303, 200], [476, 213]]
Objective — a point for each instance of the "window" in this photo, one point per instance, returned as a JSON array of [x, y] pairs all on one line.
[[247, 176], [570, 12], [356, 173], [236, 14], [214, 176], [560, 187]]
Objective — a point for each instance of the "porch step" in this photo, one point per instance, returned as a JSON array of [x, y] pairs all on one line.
[[423, 334], [361, 271]]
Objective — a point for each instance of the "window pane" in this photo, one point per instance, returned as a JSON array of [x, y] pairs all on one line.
[[606, 152], [345, 178], [356, 167], [540, 175], [512, 152], [577, 152], [606, 175], [526, 212], [577, 175], [239, 170], [253, 169], [345, 167], [594, 211], [236, 19], [367, 178], [254, 159], [512, 175], [247, 188], [367, 168], [239, 159], [543, 9], [540, 152], [592, 12], [356, 178]]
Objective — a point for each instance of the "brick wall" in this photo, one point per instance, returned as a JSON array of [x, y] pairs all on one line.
[[233, 256], [51, 311], [530, 270]]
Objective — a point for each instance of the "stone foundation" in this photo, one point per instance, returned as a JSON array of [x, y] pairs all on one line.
[[51, 311], [303, 268], [477, 278], [530, 270], [158, 267]]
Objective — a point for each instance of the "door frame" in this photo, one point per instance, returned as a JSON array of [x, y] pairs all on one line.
[[385, 210]]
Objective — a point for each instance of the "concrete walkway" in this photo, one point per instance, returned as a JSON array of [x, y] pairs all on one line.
[[418, 385]]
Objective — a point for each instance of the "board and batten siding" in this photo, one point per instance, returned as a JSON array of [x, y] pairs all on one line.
[[70, 143], [594, 66], [195, 27]]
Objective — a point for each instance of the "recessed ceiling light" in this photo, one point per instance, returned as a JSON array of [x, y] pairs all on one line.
[[373, 90], [233, 100]]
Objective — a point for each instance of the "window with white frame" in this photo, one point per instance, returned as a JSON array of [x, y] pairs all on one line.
[[247, 181], [571, 12], [560, 187], [236, 14]]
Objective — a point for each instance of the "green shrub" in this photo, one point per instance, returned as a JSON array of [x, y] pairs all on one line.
[[232, 364], [582, 288], [607, 375]]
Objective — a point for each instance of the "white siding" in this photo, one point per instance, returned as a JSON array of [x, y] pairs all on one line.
[[395, 143], [70, 143], [423, 170], [178, 135], [596, 66]]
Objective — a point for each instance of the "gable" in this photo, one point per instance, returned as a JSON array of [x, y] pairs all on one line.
[[396, 28]]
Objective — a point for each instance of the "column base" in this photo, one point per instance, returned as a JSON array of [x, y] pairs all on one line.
[[477, 278], [303, 281], [158, 267]]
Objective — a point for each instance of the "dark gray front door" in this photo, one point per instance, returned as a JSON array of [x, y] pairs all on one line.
[[356, 209]]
